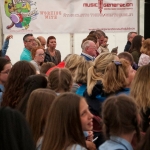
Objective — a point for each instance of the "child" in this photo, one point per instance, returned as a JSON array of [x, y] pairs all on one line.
[[68, 117], [121, 123]]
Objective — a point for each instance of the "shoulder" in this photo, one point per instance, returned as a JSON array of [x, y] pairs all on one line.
[[111, 145], [76, 147], [25, 55], [57, 51], [144, 56]]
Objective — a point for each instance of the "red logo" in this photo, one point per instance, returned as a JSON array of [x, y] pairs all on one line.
[[90, 5], [101, 5]]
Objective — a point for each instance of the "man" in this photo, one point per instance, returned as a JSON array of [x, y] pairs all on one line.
[[42, 41], [89, 50], [29, 43], [130, 37]]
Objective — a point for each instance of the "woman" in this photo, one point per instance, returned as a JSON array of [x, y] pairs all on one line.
[[38, 56], [14, 86], [135, 47], [123, 126], [52, 55], [38, 106], [140, 92], [65, 125], [5, 67]]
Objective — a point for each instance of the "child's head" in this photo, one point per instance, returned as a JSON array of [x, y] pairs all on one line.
[[5, 67], [14, 85], [68, 117], [73, 61], [38, 106], [46, 66], [127, 56], [146, 47], [60, 80], [140, 87], [32, 83], [96, 72], [120, 116], [14, 131], [115, 77], [115, 50], [81, 72]]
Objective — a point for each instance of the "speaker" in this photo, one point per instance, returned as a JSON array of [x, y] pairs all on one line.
[[146, 19]]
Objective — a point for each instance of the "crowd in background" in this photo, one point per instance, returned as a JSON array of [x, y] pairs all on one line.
[[98, 100]]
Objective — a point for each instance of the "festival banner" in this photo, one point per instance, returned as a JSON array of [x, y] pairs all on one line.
[[68, 16]]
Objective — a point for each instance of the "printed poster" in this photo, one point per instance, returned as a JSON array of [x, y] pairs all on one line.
[[68, 16]]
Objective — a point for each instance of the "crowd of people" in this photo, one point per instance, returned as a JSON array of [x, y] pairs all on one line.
[[98, 100]]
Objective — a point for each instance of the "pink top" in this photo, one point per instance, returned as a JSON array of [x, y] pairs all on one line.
[[143, 60]]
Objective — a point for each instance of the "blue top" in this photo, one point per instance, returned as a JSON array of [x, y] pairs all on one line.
[[125, 91], [87, 57], [1, 92], [81, 89], [26, 55], [116, 143], [4, 48]]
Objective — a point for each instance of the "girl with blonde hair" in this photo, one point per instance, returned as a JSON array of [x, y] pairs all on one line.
[[81, 76], [140, 92], [118, 77], [94, 87], [72, 63], [96, 72]]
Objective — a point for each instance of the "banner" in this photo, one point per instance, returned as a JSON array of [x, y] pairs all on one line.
[[68, 16]]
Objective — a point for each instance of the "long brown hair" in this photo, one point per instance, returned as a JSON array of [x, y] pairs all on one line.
[[63, 127], [60, 79], [38, 106], [14, 86], [140, 87]]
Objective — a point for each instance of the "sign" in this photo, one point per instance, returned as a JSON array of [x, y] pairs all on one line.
[[68, 16]]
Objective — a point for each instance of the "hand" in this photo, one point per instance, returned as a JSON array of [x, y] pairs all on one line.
[[90, 145], [90, 136], [9, 37]]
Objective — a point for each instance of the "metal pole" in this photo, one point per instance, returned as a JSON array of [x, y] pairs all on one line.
[[138, 16], [1, 30], [71, 43]]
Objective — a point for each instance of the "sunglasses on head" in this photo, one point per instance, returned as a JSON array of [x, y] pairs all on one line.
[[117, 63]]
